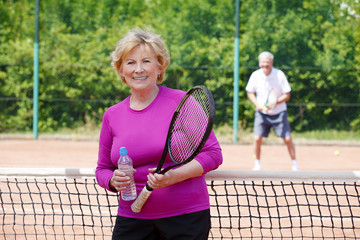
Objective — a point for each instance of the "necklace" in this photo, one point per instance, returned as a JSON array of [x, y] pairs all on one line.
[[141, 103]]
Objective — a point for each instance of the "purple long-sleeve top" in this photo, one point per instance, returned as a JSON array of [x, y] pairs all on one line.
[[143, 133]]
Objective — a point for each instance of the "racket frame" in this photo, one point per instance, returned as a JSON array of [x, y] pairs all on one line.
[[205, 136]]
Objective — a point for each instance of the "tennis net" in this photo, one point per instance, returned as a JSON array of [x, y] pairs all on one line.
[[68, 204]]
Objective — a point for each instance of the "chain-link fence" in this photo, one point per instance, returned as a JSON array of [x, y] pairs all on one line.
[[310, 108]]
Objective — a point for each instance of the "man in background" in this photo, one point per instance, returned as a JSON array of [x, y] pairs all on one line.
[[263, 84]]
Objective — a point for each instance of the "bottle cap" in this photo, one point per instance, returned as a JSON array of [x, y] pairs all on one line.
[[123, 151]]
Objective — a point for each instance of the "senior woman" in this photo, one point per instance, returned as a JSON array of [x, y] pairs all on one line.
[[179, 206]]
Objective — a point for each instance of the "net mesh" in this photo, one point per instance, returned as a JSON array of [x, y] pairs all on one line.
[[55, 208], [68, 207], [285, 210]]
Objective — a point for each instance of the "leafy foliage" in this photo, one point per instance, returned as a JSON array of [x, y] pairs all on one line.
[[315, 42]]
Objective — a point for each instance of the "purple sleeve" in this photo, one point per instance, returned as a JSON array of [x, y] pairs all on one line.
[[210, 157], [105, 168]]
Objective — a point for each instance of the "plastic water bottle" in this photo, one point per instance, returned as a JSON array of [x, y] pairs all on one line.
[[125, 165]]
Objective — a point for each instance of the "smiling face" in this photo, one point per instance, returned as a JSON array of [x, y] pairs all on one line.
[[265, 63], [140, 68]]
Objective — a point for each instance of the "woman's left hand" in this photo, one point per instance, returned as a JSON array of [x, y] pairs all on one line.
[[189, 170], [156, 180]]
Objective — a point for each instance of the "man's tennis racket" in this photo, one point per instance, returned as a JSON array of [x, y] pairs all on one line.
[[271, 99], [189, 129]]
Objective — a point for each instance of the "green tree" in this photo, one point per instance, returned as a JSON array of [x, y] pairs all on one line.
[[315, 42]]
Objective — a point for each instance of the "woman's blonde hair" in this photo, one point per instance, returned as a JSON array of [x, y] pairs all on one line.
[[138, 37]]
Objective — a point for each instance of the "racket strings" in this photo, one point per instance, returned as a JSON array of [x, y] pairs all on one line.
[[272, 99], [190, 127]]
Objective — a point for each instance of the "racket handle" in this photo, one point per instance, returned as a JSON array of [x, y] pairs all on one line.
[[141, 199]]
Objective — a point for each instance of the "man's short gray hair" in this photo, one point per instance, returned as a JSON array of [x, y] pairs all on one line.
[[266, 55]]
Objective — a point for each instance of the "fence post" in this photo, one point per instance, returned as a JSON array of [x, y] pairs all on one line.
[[236, 73], [36, 74]]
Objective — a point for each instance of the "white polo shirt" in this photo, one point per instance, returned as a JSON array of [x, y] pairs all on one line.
[[260, 84]]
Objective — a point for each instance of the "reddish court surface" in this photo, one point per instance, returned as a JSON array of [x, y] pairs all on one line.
[[83, 154]]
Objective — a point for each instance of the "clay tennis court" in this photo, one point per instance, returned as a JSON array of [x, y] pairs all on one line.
[[63, 153], [60, 153]]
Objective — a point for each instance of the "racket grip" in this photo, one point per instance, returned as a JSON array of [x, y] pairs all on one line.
[[141, 199]]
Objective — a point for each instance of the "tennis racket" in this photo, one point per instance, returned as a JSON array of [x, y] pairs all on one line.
[[189, 129], [271, 99]]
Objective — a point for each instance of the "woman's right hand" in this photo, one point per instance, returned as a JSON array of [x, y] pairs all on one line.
[[119, 181]]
